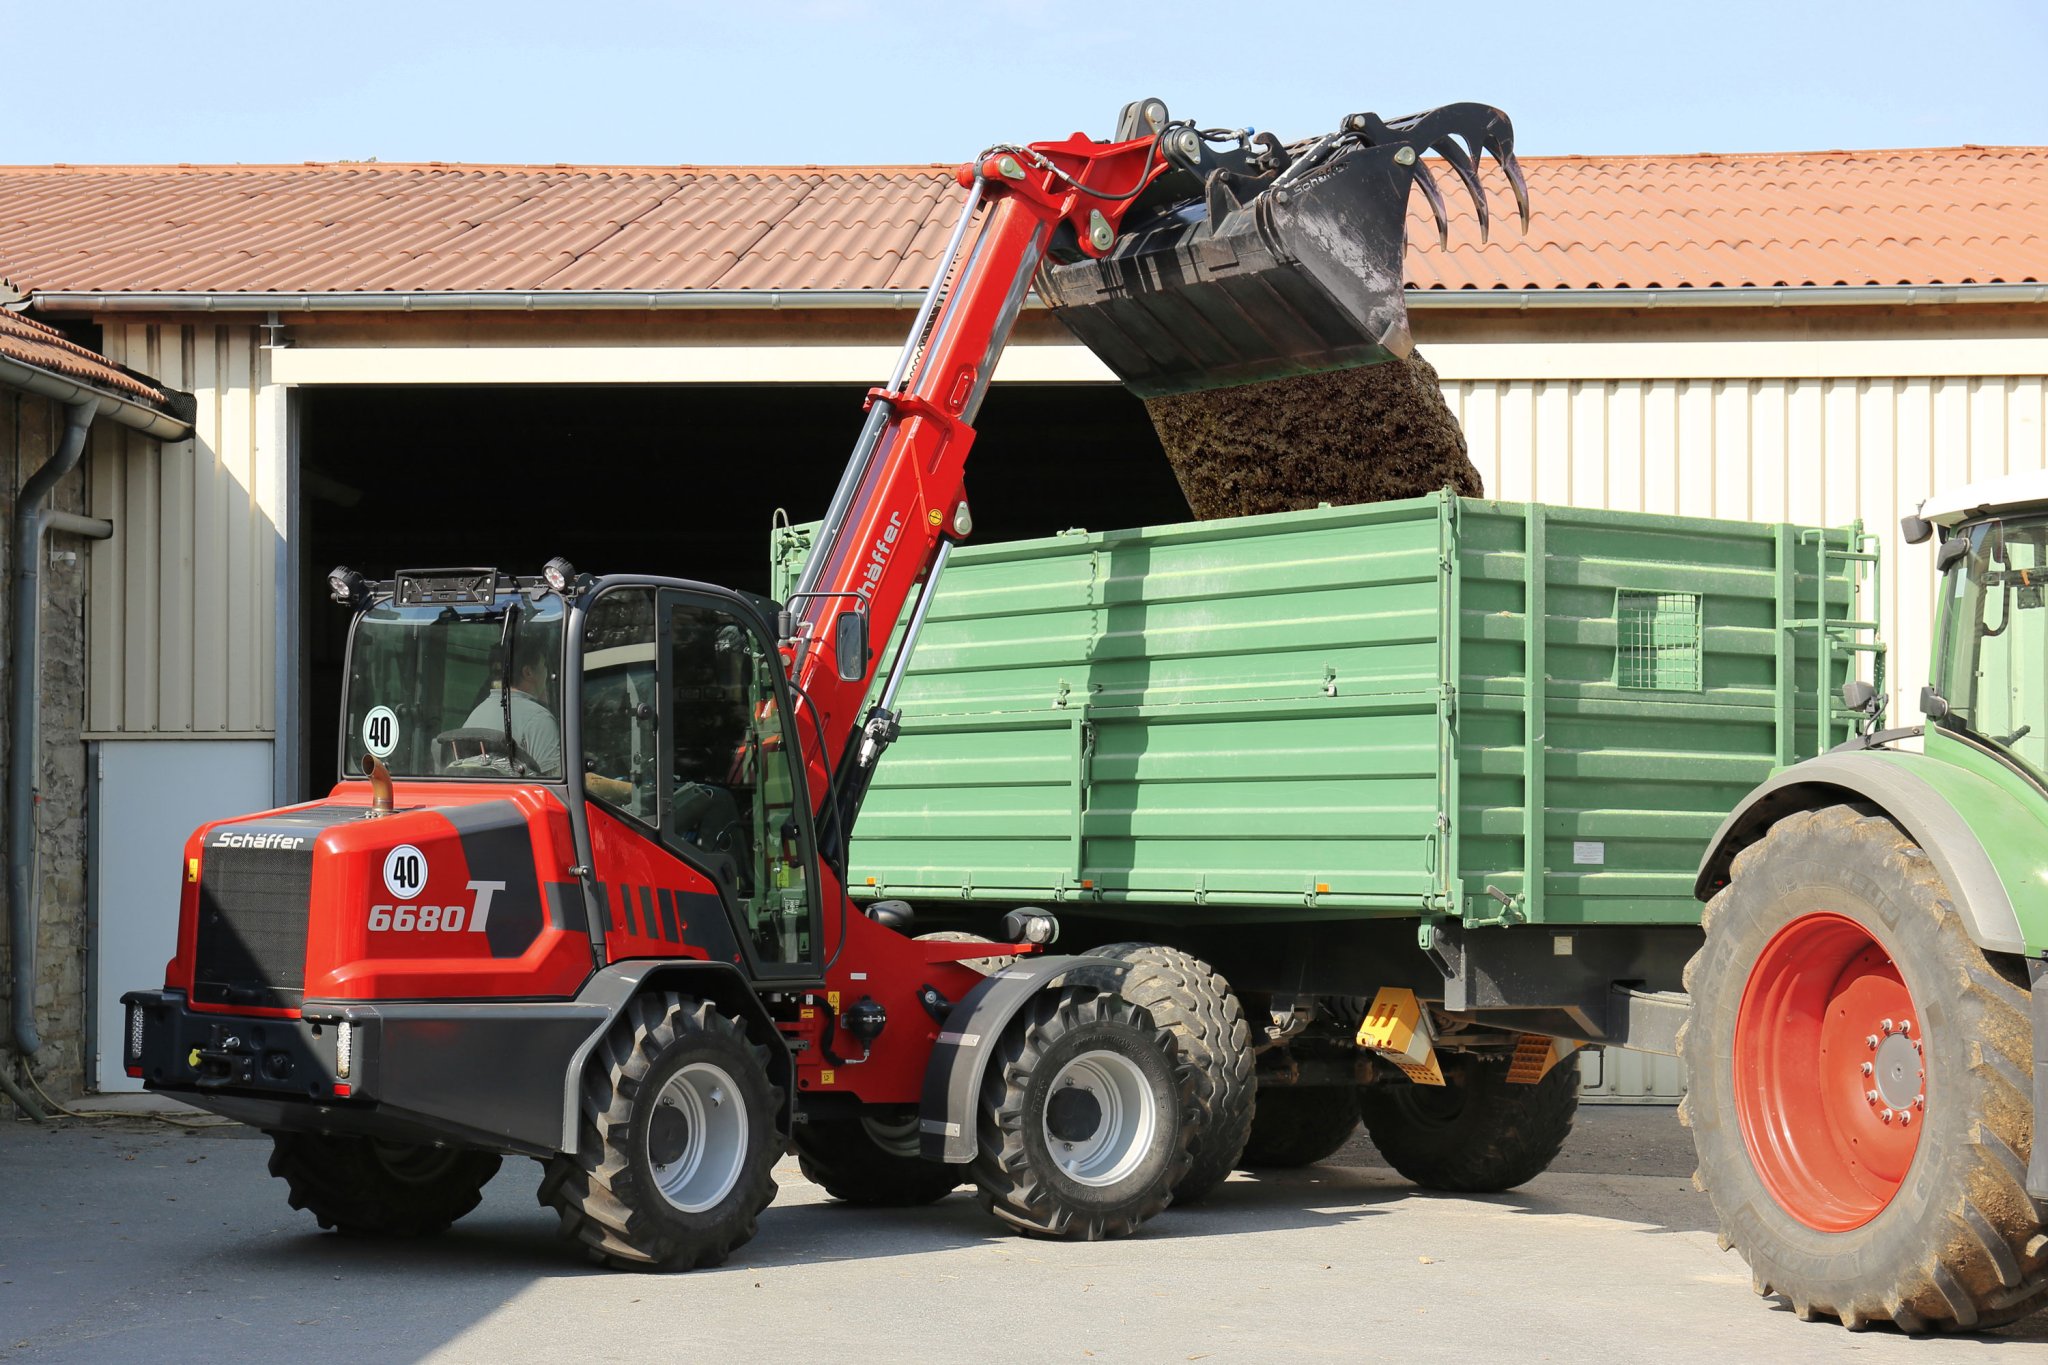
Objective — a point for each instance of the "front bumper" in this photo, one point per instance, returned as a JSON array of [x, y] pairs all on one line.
[[487, 1075]]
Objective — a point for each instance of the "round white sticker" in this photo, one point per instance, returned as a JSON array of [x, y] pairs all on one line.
[[405, 872], [380, 731]]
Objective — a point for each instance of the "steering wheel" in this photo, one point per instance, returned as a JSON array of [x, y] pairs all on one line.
[[492, 748]]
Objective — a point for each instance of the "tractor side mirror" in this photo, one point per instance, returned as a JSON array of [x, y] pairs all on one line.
[[1857, 694], [1916, 529], [850, 645], [1952, 549]]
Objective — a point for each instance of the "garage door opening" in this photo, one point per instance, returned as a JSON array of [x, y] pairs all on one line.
[[677, 481]]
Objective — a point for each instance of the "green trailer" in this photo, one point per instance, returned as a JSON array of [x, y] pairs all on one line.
[[1464, 751]]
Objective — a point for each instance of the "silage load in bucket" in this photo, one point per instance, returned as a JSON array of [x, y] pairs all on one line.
[[1256, 304]]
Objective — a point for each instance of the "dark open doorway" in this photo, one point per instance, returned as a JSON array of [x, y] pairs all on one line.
[[678, 481]]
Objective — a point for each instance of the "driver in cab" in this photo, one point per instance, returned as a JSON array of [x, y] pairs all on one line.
[[528, 714]]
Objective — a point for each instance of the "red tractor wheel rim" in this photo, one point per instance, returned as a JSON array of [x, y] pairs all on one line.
[[1830, 1076]]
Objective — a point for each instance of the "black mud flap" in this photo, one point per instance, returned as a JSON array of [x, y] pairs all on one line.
[[1289, 261]]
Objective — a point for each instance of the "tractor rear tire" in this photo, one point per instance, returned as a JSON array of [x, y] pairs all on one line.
[[365, 1188], [1479, 1133], [1191, 1000], [1836, 968], [1299, 1126], [872, 1162], [1083, 1130], [678, 1140]]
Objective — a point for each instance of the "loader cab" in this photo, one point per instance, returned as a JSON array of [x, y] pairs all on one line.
[[1990, 683], [656, 708]]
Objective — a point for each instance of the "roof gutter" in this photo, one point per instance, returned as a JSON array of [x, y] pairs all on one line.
[[121, 408], [661, 300]]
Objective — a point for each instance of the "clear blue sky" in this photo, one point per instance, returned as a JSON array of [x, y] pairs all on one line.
[[840, 81]]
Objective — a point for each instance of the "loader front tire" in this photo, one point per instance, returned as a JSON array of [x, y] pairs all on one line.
[[1083, 1130], [1479, 1132], [1860, 1076], [1297, 1126], [872, 1161], [678, 1140], [1193, 1002], [362, 1187]]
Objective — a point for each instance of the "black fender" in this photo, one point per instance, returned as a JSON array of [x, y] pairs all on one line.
[[611, 988], [949, 1115], [1911, 802]]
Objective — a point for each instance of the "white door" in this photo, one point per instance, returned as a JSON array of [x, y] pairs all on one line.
[[148, 796]]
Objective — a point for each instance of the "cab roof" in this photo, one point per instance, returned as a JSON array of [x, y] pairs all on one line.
[[2007, 493]]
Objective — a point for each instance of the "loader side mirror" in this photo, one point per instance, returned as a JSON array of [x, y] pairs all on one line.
[[850, 645]]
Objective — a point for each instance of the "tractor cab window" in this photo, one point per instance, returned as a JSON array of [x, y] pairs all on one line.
[[457, 691], [1994, 655], [732, 793], [621, 701]]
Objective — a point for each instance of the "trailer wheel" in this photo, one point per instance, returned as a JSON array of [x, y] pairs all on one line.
[[1193, 1002], [1299, 1126], [863, 1159], [1479, 1132], [1083, 1130], [678, 1140], [362, 1187], [1860, 1093]]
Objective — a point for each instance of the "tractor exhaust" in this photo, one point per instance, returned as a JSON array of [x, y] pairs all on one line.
[[1259, 261]]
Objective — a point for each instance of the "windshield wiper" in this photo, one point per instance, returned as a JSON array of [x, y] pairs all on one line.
[[508, 639]]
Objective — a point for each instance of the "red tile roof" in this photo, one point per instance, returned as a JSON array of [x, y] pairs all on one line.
[[45, 348], [1935, 216]]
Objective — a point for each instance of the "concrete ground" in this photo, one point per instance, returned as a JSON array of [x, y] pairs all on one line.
[[133, 1240]]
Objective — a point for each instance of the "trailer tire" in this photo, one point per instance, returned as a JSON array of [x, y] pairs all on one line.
[[678, 1139], [1124, 1143], [1192, 1001], [1479, 1133], [863, 1160], [1299, 1126], [1836, 914], [362, 1187]]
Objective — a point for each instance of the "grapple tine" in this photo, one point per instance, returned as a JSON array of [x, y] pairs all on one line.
[[1460, 160], [1435, 196]]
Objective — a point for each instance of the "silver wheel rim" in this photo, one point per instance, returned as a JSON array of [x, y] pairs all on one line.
[[1127, 1117], [697, 1137]]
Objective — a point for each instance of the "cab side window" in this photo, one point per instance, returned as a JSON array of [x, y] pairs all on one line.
[[622, 703], [732, 793]]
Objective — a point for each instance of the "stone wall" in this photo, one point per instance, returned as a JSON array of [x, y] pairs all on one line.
[[30, 429]]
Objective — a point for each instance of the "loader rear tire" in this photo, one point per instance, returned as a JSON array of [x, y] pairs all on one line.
[[1297, 1126], [873, 1162], [1082, 1132], [1479, 1132], [678, 1140], [1836, 944], [361, 1187], [1192, 1001]]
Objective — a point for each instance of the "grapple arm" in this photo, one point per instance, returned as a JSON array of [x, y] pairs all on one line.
[[1252, 260]]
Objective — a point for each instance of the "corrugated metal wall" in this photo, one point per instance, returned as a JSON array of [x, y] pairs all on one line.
[[183, 598], [1803, 450]]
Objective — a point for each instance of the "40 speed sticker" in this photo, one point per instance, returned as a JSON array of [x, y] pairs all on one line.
[[380, 731], [405, 876]]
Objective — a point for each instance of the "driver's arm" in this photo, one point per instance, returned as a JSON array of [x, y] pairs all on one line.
[[616, 790]]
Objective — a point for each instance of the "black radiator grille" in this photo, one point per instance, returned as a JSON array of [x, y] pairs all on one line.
[[253, 904]]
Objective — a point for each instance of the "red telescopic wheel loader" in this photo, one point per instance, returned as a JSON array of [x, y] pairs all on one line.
[[586, 902]]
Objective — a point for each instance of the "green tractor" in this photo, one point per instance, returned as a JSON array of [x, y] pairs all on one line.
[[1868, 1029]]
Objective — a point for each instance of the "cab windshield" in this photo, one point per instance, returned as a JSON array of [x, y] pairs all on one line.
[[1994, 647], [468, 691]]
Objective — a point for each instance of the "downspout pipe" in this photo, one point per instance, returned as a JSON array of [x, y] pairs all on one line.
[[32, 521]]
